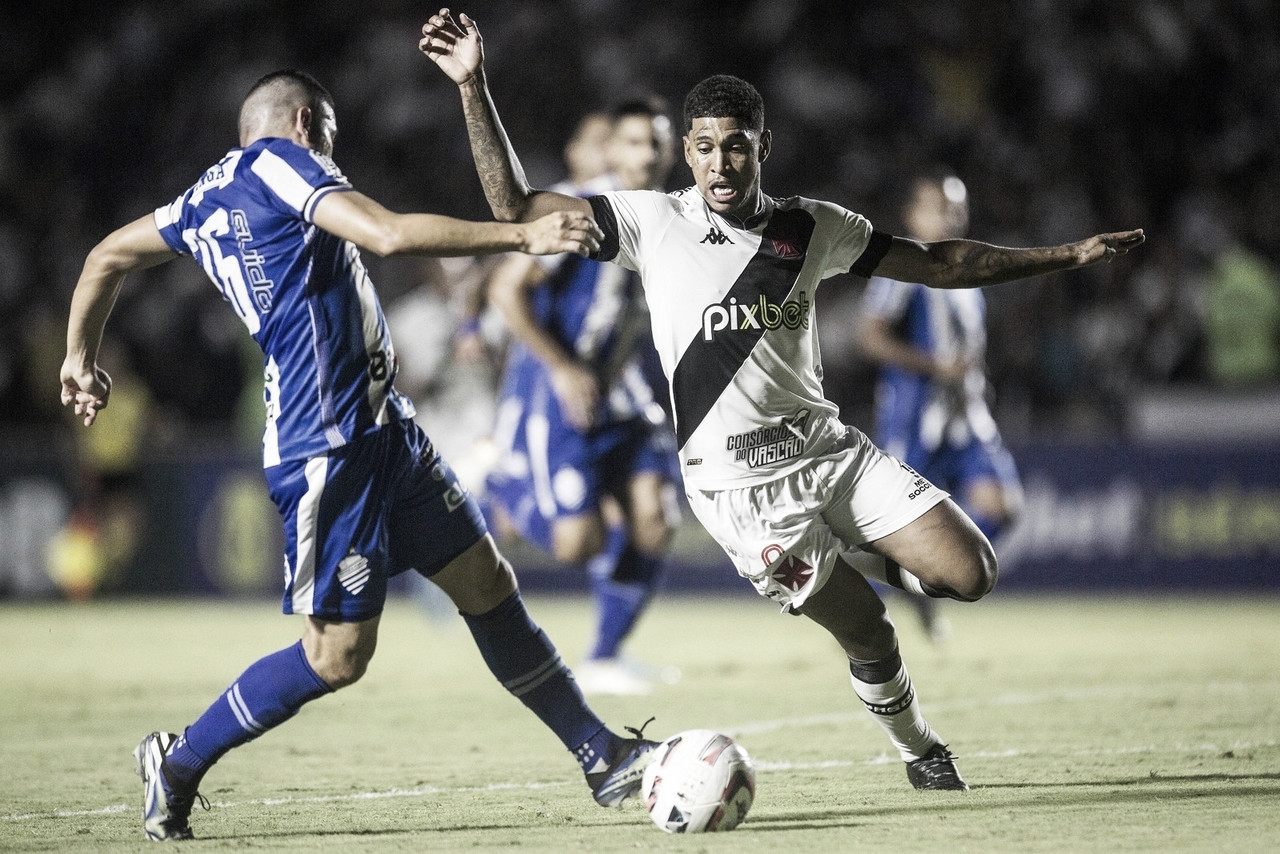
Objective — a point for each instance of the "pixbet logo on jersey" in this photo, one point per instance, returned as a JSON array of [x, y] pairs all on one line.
[[761, 314]]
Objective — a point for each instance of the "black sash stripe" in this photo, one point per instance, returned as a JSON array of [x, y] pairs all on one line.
[[707, 367]]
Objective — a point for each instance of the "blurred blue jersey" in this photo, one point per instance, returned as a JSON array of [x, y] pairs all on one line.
[[917, 413], [549, 468], [304, 295]]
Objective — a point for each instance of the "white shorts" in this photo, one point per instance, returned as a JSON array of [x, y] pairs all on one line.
[[784, 535]]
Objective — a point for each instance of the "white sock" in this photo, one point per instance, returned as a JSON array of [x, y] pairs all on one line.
[[893, 705], [874, 567]]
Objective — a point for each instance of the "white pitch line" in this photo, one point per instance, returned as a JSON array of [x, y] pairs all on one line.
[[853, 715]]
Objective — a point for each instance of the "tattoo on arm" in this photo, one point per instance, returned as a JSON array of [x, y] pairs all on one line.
[[496, 164], [975, 264]]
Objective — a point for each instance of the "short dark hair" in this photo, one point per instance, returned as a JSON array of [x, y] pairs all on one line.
[[723, 96], [315, 92]]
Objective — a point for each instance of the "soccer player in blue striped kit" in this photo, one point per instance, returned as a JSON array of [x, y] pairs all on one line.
[[588, 463], [363, 494], [807, 508]]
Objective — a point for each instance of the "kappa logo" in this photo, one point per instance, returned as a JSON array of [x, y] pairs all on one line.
[[715, 237]]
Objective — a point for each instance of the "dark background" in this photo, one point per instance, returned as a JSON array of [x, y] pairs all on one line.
[[1065, 119]]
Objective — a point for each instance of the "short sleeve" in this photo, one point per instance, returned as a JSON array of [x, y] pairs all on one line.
[[850, 234], [298, 176], [625, 217]]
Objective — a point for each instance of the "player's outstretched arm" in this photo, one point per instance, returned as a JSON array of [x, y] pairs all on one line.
[[455, 45], [136, 246], [366, 223], [973, 264]]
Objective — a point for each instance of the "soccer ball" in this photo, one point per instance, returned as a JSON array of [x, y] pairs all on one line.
[[698, 781]]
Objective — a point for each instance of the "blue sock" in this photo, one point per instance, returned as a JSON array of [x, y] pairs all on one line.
[[622, 583], [266, 695], [525, 661]]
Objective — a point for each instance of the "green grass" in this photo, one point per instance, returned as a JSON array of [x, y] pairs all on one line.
[[1083, 725]]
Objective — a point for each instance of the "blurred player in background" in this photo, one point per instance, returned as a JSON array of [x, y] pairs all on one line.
[[801, 503], [362, 492], [931, 397], [586, 456], [585, 157]]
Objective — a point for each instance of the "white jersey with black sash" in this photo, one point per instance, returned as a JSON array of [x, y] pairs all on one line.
[[732, 307]]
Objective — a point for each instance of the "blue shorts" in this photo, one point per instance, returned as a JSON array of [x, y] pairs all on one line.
[[550, 470], [380, 505]]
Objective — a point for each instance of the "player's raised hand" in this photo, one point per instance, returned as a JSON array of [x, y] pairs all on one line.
[[1104, 247], [562, 231], [87, 391], [454, 45]]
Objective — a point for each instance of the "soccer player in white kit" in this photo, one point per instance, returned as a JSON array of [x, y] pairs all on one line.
[[806, 507]]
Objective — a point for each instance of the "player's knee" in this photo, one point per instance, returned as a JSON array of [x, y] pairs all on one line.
[[981, 572], [478, 580], [343, 672], [340, 664]]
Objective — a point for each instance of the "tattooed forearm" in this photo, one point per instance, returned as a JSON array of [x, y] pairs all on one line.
[[499, 169], [973, 263]]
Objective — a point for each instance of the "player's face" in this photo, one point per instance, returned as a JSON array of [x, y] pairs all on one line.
[[586, 153], [642, 151], [725, 157]]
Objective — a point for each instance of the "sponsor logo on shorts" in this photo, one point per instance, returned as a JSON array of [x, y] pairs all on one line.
[[769, 445], [919, 487]]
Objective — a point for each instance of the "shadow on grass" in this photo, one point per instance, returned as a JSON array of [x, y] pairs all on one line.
[[1052, 795]]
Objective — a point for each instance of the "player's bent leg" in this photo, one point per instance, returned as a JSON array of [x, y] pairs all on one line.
[[847, 606], [523, 659], [268, 693], [944, 550]]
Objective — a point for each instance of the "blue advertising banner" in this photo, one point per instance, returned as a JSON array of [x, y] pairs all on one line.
[[1132, 516], [1192, 516]]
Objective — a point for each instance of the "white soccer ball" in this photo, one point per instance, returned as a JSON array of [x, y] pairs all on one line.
[[698, 781]]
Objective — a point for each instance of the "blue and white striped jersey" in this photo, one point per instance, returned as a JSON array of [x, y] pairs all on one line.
[[951, 325], [303, 293]]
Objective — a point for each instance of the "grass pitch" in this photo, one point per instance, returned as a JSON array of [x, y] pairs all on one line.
[[1108, 725]]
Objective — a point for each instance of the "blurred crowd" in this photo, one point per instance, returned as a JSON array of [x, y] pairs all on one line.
[[1064, 117]]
